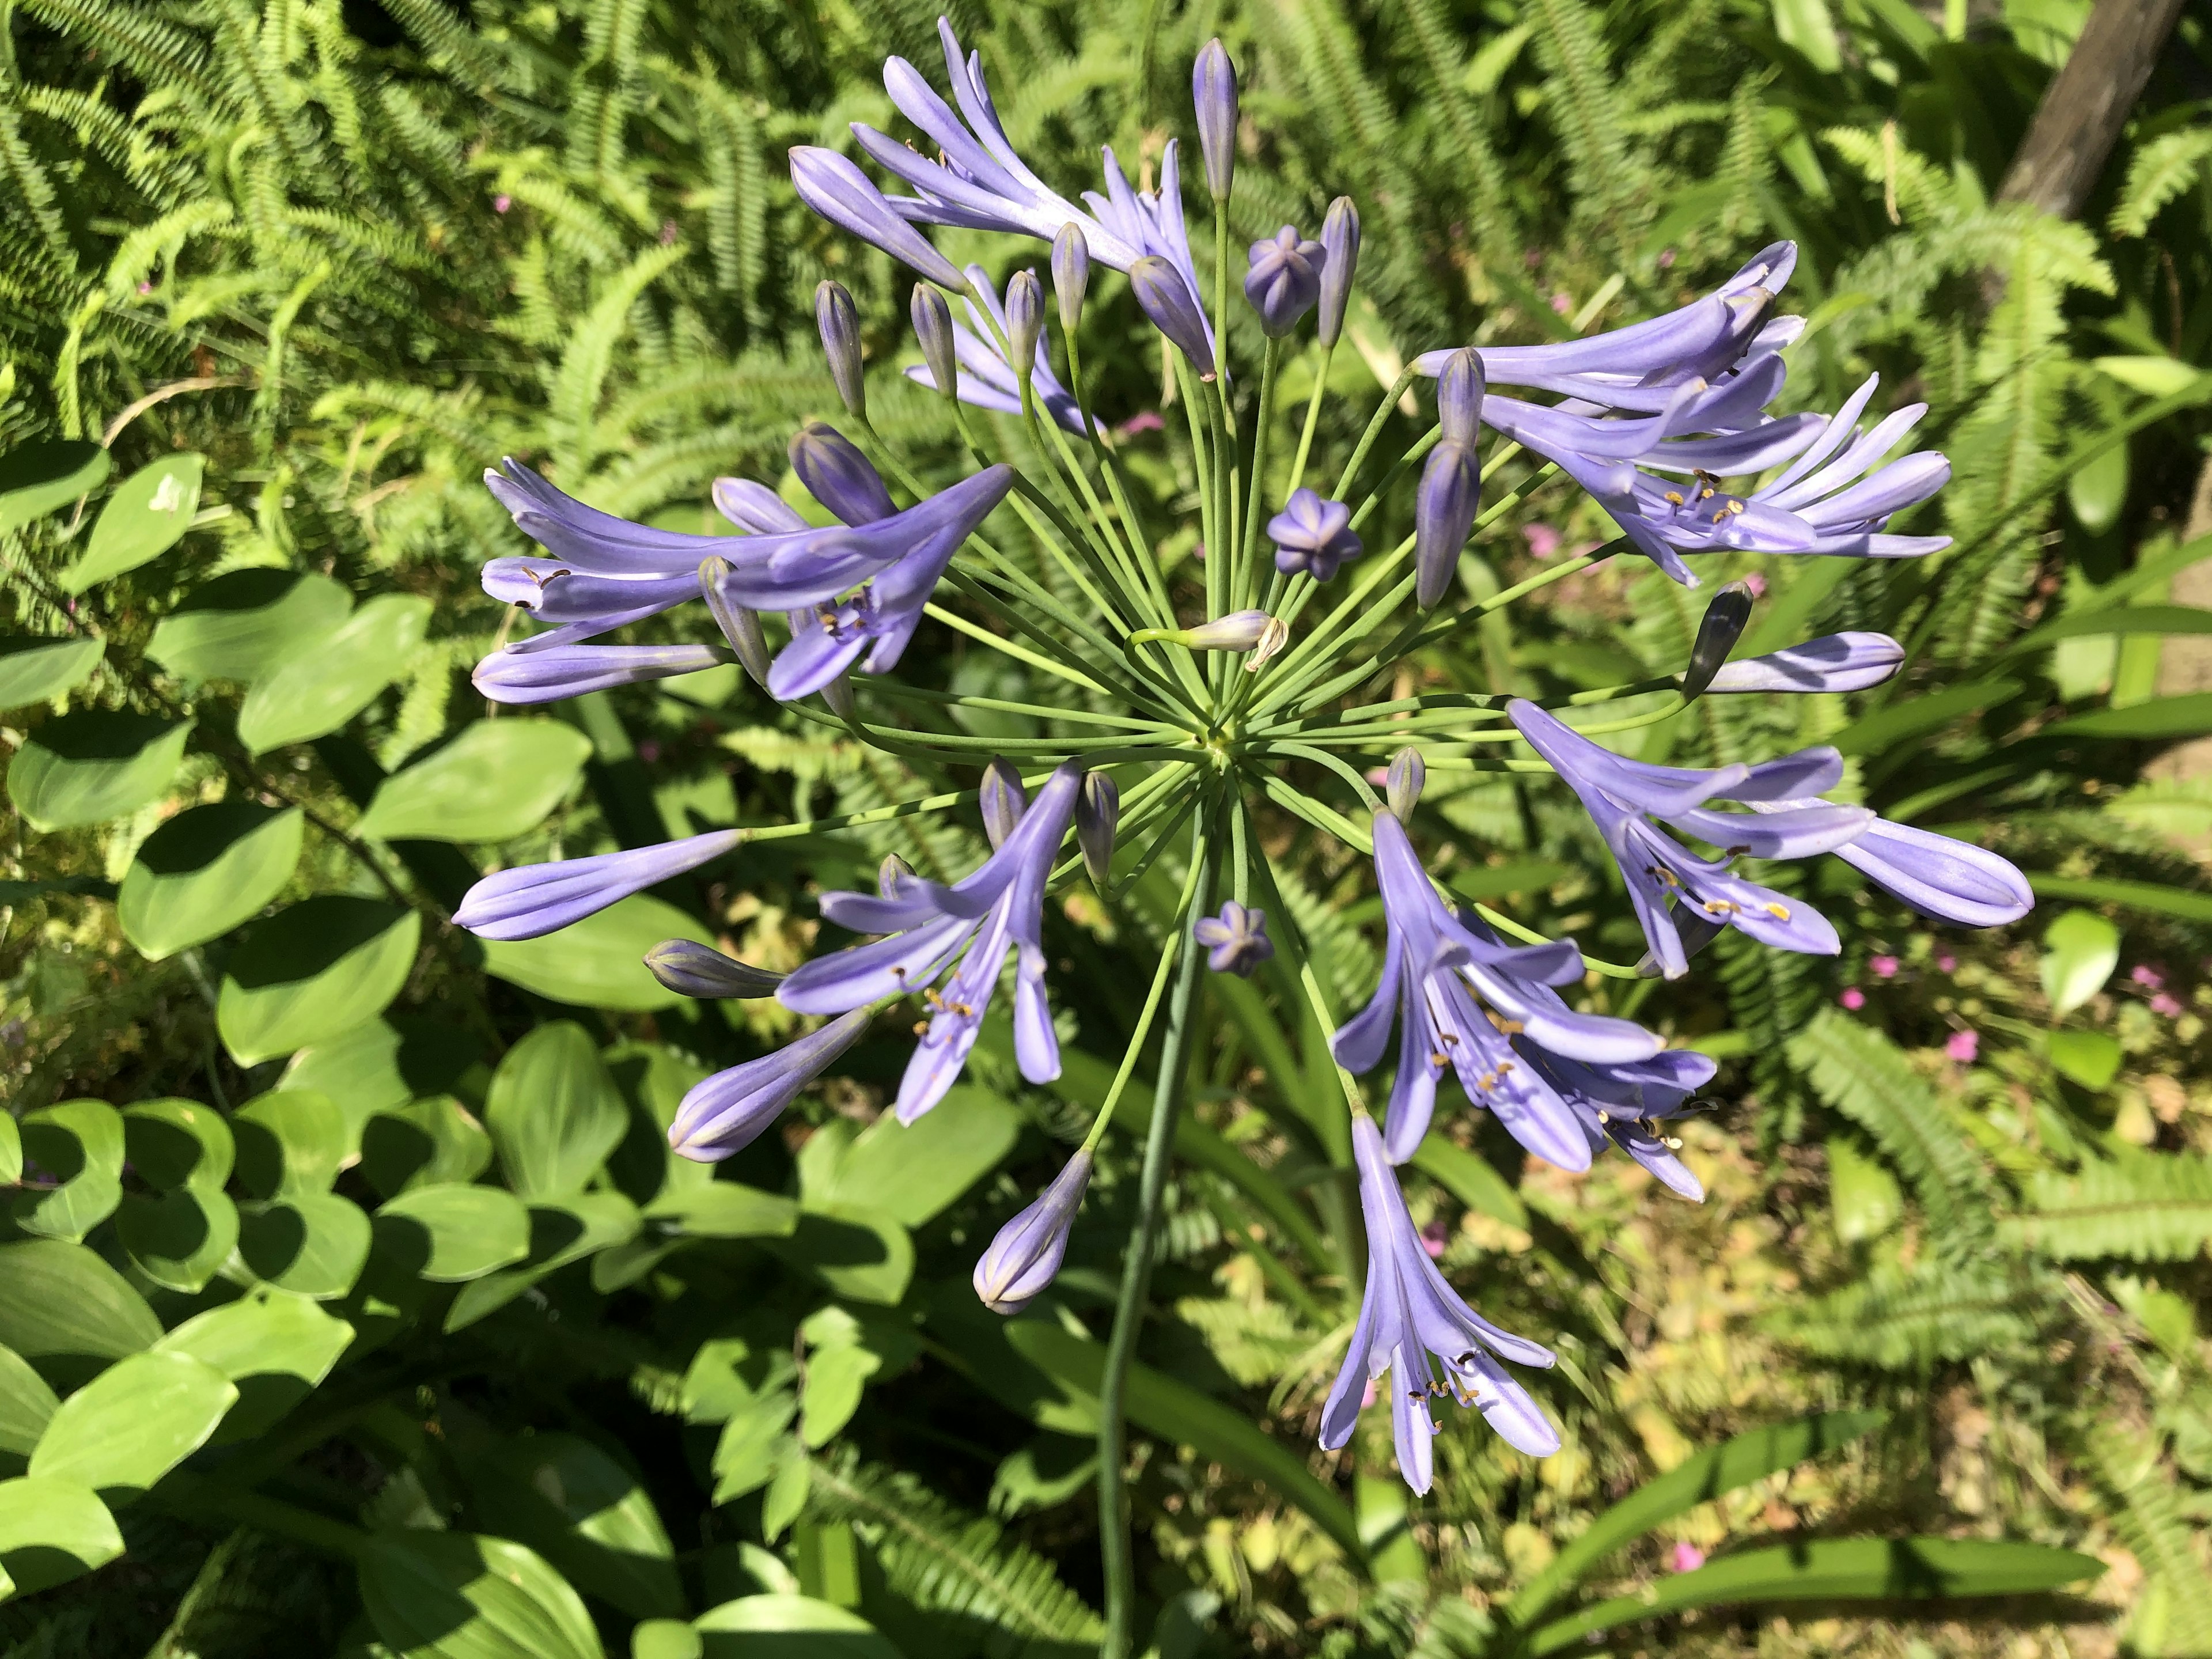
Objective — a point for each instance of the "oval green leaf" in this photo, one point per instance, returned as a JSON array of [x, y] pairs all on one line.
[[599, 962], [587, 1514], [911, 1172], [274, 1346], [788, 1627], [308, 973], [78, 1144], [2188, 715], [36, 479], [26, 1404], [383, 1064], [178, 1143], [146, 516], [51, 1531], [39, 671], [553, 1112], [315, 693], [2082, 949], [67, 1311], [95, 765], [451, 1595], [451, 1234], [204, 872], [313, 1245], [422, 1144], [245, 622], [496, 780], [179, 1239], [564, 1230], [130, 1425], [290, 1141]]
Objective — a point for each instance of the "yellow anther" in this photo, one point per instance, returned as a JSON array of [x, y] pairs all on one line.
[[1674, 498], [1779, 912]]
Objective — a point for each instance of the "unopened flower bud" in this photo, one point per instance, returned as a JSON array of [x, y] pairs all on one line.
[[1024, 320], [1340, 234], [1240, 630], [1402, 785], [1001, 801], [1459, 390], [1071, 273], [1285, 280], [839, 320], [837, 474], [739, 626], [1273, 638], [1027, 1251], [1168, 301], [1235, 941], [692, 969], [1444, 514], [1213, 91], [933, 327], [1098, 814], [1725, 622]]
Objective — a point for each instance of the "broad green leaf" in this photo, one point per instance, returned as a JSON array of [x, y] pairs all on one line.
[[2155, 377], [11, 1151], [36, 479], [242, 624], [666, 1638], [317, 691], [835, 1378], [180, 1239], [858, 1253], [1700, 1479], [38, 670], [51, 1531], [1834, 1570], [912, 1172], [312, 1244], [2091, 1059], [726, 1209], [450, 1234], [95, 765], [553, 1112], [585, 1513], [561, 1230], [78, 1144], [178, 1143], [274, 1346], [2082, 949], [145, 516], [1863, 1196], [1483, 881], [2154, 899], [2188, 715], [382, 1064], [1807, 25], [204, 872], [753, 1445], [1873, 734], [451, 1596], [599, 962], [312, 971], [495, 781], [422, 1144], [67, 1311], [131, 1425], [26, 1404], [1469, 1177], [290, 1141], [788, 1627]]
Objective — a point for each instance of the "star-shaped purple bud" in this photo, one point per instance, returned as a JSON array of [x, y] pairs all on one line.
[[1313, 536], [1284, 279], [1235, 941]]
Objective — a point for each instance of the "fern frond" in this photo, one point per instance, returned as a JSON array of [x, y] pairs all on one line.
[[1907, 1319], [2146, 1207], [2158, 173]]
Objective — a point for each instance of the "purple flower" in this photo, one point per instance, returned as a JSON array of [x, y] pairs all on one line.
[[692, 969], [830, 185], [1285, 280], [1235, 941], [1939, 876], [1618, 793], [1835, 662], [534, 899], [1071, 273], [1434, 962], [1000, 908], [1444, 507], [1626, 1103], [1172, 302], [837, 474], [1024, 304], [726, 1112], [1413, 1326], [1339, 235], [839, 322], [984, 379], [1313, 536], [932, 328], [510, 676], [1213, 95], [755, 508], [1026, 1254]]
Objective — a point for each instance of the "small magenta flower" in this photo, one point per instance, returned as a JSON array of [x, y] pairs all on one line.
[[1340, 236], [2165, 1006], [1947, 963], [692, 969], [1285, 280], [1963, 1047], [1414, 1328], [501, 202], [1213, 94], [1172, 305], [726, 1113], [2149, 977], [1852, 998], [1026, 1254], [839, 322], [1687, 1558], [532, 900], [1235, 941], [1882, 967]]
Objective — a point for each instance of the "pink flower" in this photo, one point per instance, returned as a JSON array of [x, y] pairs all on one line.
[[501, 203], [1433, 1237], [2163, 1004], [1853, 998], [2146, 976], [1883, 967], [1149, 421], [1544, 539], [1947, 963], [1756, 584], [1963, 1046], [1688, 1557], [145, 288], [1563, 303]]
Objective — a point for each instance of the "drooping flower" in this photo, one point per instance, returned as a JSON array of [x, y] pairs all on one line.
[[532, 900], [1833, 662], [1434, 963], [985, 379], [1236, 941], [1284, 279], [1619, 794], [1415, 1328], [1313, 536], [514, 676], [726, 1113], [1025, 1255], [998, 908]]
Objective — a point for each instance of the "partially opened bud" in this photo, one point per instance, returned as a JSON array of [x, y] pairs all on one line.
[[1024, 320], [1725, 620], [691, 969], [1273, 638], [739, 626], [1402, 785], [1213, 91], [1444, 514], [1168, 301], [1459, 391], [933, 327], [1240, 630], [839, 320], [1098, 814], [1340, 234], [1001, 801], [837, 474], [1027, 1252], [1071, 272]]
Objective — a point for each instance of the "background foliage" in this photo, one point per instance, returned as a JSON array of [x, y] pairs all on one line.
[[349, 1302]]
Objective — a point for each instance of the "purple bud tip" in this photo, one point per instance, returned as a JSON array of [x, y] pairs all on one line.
[[1459, 390], [835, 315], [933, 327], [1444, 507], [1285, 280], [1071, 272], [692, 969], [837, 474], [1408, 773], [1235, 941], [1001, 801], [1312, 536], [1725, 619], [1022, 1260], [1168, 301], [1024, 320], [1213, 92], [1340, 234]]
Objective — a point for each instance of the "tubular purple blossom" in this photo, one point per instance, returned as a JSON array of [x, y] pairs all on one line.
[[1235, 941], [1939, 876], [726, 1112], [830, 185], [837, 474], [839, 325], [513, 677], [1285, 280], [692, 969], [1444, 507], [1214, 93], [1339, 235], [1313, 537], [1459, 391], [535, 899], [1172, 305], [1025, 1255], [1835, 662], [1000, 802], [1414, 1328]]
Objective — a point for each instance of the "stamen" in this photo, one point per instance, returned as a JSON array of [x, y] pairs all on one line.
[[1779, 912]]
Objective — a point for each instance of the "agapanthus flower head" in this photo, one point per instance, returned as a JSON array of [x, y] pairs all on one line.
[[1284, 279], [1213, 95], [1414, 1328], [1236, 941], [726, 1113], [1312, 535], [1025, 1255], [1340, 236], [532, 900], [839, 321]]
